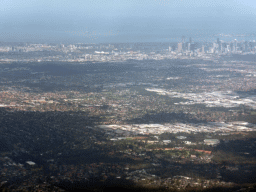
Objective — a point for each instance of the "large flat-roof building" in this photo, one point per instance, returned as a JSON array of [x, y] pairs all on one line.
[[211, 141]]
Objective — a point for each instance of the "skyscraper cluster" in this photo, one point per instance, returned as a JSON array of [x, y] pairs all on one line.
[[217, 47]]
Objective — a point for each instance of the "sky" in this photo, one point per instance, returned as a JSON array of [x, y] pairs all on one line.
[[94, 21]]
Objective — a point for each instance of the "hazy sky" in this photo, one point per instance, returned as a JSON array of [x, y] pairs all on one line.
[[122, 20]]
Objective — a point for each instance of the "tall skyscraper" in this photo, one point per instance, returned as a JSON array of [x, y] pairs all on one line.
[[179, 47], [228, 48], [202, 50], [193, 47], [235, 45], [190, 40], [219, 43], [218, 40], [246, 46], [183, 39]]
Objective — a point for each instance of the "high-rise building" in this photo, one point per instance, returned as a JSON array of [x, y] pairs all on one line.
[[202, 49], [193, 47], [183, 39], [228, 48], [173, 47], [179, 49], [246, 46], [235, 45], [214, 46], [252, 44], [221, 46], [231, 46], [219, 43], [190, 40]]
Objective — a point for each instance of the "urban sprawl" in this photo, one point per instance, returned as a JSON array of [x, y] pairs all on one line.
[[176, 115]]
